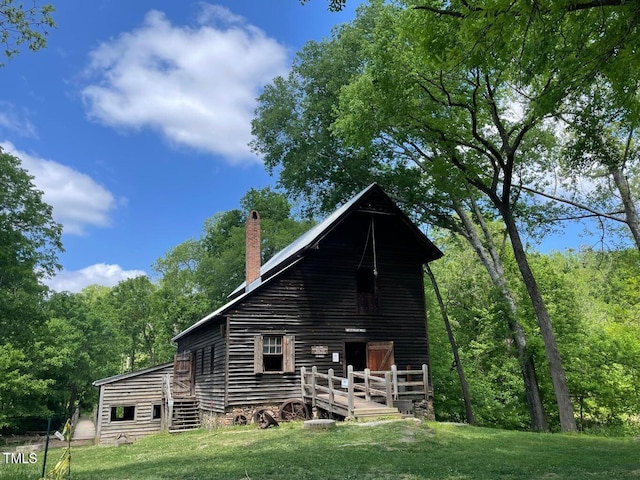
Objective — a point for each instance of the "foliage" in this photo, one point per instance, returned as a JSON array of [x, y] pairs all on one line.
[[20, 25], [132, 303], [29, 244], [21, 391], [480, 323], [200, 274], [593, 297], [390, 450], [72, 350], [334, 5]]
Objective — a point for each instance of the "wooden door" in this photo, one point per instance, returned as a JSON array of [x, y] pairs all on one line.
[[380, 356], [183, 375]]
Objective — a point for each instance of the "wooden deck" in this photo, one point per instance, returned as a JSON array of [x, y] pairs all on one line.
[[364, 394], [361, 408]]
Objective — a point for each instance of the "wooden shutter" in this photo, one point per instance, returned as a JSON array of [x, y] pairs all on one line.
[[258, 363], [289, 354]]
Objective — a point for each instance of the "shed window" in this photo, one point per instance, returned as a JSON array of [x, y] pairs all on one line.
[[157, 412], [122, 413], [274, 354]]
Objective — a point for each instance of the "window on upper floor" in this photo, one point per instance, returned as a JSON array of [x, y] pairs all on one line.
[[367, 291]]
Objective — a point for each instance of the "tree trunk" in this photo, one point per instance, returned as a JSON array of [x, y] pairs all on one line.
[[630, 211], [493, 265], [454, 349], [565, 409]]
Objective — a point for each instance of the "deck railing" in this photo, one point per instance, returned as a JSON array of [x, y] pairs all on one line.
[[388, 386]]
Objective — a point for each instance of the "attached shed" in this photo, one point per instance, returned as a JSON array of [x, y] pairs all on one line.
[[132, 405]]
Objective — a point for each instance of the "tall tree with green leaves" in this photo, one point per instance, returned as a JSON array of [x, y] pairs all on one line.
[[77, 345], [132, 303], [30, 241]]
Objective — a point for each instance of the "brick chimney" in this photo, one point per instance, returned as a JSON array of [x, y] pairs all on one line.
[[253, 247]]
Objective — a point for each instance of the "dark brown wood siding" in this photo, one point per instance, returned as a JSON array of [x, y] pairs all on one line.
[[316, 302], [210, 375]]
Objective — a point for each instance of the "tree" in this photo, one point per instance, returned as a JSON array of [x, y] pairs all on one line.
[[199, 274], [29, 244], [334, 5], [76, 346], [20, 25], [456, 117], [602, 142], [132, 303]]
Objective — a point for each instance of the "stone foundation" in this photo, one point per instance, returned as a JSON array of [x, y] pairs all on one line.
[[236, 415], [423, 409]]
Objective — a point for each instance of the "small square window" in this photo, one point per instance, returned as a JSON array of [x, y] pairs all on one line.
[[157, 412]]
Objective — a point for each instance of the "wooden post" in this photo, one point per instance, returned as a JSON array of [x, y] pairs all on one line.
[[394, 376], [387, 381], [425, 379], [330, 375], [314, 373], [350, 400], [303, 390], [367, 393]]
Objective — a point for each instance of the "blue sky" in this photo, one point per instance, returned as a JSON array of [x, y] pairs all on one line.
[[135, 119]]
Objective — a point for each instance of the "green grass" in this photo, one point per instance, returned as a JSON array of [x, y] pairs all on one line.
[[399, 450]]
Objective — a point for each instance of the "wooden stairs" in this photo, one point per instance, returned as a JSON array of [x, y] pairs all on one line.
[[186, 415], [370, 412]]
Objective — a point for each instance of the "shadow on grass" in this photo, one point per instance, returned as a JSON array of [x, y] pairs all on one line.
[[399, 450]]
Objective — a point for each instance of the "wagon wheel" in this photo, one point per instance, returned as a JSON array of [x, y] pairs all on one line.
[[260, 416], [294, 409], [240, 420], [263, 418]]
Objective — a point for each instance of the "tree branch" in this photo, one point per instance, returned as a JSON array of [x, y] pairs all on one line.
[[572, 203], [573, 7]]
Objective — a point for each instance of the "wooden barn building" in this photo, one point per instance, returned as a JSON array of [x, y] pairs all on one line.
[[345, 297], [132, 405]]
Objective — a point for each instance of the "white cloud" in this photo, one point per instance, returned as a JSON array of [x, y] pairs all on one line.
[[15, 121], [77, 199], [98, 274], [196, 85]]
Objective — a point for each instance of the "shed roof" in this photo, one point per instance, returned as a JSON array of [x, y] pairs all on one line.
[[295, 250], [124, 376]]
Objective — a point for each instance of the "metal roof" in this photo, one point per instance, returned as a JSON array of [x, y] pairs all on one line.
[[124, 376], [307, 239]]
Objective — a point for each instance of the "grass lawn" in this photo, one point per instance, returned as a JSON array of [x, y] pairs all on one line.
[[403, 450]]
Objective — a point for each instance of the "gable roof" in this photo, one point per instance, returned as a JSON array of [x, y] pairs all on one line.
[[124, 376], [289, 255]]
